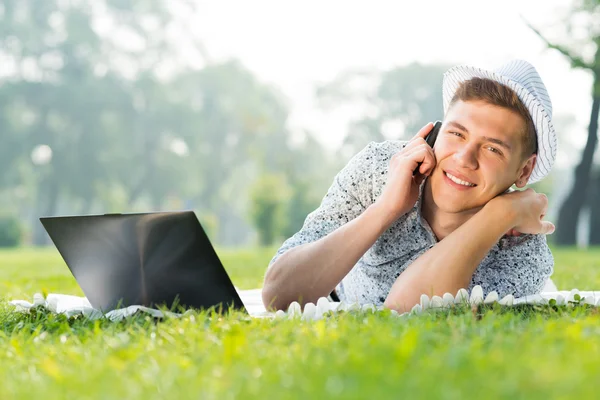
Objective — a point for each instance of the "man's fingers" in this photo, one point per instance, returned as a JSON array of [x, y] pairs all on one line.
[[548, 228], [418, 139], [419, 179], [417, 156], [544, 203], [413, 144], [424, 156], [427, 165], [513, 232], [424, 131]]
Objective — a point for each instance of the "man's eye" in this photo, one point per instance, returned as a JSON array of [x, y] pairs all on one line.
[[494, 150], [456, 134]]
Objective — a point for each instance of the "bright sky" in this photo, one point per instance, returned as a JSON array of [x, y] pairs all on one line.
[[295, 45]]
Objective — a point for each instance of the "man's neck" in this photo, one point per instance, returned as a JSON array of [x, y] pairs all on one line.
[[442, 223]]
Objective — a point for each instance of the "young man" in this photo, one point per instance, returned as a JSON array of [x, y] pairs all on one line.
[[385, 236]]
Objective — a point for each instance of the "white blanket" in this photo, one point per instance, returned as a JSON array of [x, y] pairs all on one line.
[[75, 305]]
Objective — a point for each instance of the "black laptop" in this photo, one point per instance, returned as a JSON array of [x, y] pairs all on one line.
[[151, 259]]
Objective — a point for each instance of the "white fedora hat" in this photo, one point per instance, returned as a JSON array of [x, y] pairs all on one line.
[[523, 78]]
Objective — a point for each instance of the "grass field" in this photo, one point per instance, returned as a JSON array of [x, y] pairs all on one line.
[[529, 352]]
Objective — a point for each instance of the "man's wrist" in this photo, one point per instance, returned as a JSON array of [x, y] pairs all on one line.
[[505, 207], [382, 214]]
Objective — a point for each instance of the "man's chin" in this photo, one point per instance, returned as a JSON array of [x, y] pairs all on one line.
[[457, 204], [459, 208], [450, 200], [451, 208]]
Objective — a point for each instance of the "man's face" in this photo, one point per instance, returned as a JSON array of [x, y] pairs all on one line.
[[479, 153]]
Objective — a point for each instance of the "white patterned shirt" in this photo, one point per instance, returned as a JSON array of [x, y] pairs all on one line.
[[515, 265]]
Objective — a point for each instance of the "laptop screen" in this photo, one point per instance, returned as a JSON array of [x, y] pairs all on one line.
[[150, 259]]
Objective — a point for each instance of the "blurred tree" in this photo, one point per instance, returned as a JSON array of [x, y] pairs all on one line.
[[11, 231], [234, 127], [392, 104], [126, 121], [301, 203], [66, 88], [583, 51], [269, 195], [297, 186], [594, 195], [309, 174], [53, 97]]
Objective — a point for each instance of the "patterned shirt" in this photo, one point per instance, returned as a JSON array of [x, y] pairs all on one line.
[[515, 265]]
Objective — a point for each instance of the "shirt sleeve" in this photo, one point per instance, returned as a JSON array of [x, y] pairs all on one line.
[[516, 265], [348, 196]]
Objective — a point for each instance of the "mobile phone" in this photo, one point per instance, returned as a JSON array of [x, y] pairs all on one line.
[[430, 139], [432, 136]]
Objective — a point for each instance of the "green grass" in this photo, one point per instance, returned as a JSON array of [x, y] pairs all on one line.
[[492, 352], [577, 269], [24, 272]]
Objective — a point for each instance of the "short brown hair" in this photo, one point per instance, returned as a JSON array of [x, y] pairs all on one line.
[[500, 95]]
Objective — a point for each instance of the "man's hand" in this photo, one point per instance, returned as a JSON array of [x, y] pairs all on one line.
[[527, 209], [513, 232], [402, 188]]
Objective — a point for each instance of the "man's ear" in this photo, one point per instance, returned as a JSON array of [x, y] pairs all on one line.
[[525, 171]]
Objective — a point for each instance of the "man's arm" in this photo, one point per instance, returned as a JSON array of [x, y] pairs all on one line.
[[313, 268], [450, 264], [520, 266]]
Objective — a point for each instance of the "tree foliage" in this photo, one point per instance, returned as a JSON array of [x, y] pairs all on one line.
[[581, 46], [132, 124]]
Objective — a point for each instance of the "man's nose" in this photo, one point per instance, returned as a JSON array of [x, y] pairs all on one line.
[[466, 156]]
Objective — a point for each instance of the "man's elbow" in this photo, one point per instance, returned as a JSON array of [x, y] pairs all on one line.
[[272, 300], [390, 305], [396, 303], [271, 296]]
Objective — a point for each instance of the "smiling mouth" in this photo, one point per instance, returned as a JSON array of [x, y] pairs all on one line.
[[459, 181]]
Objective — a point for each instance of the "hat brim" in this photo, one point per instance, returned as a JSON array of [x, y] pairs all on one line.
[[546, 135]]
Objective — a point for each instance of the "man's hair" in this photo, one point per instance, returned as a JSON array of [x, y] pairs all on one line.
[[498, 94]]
